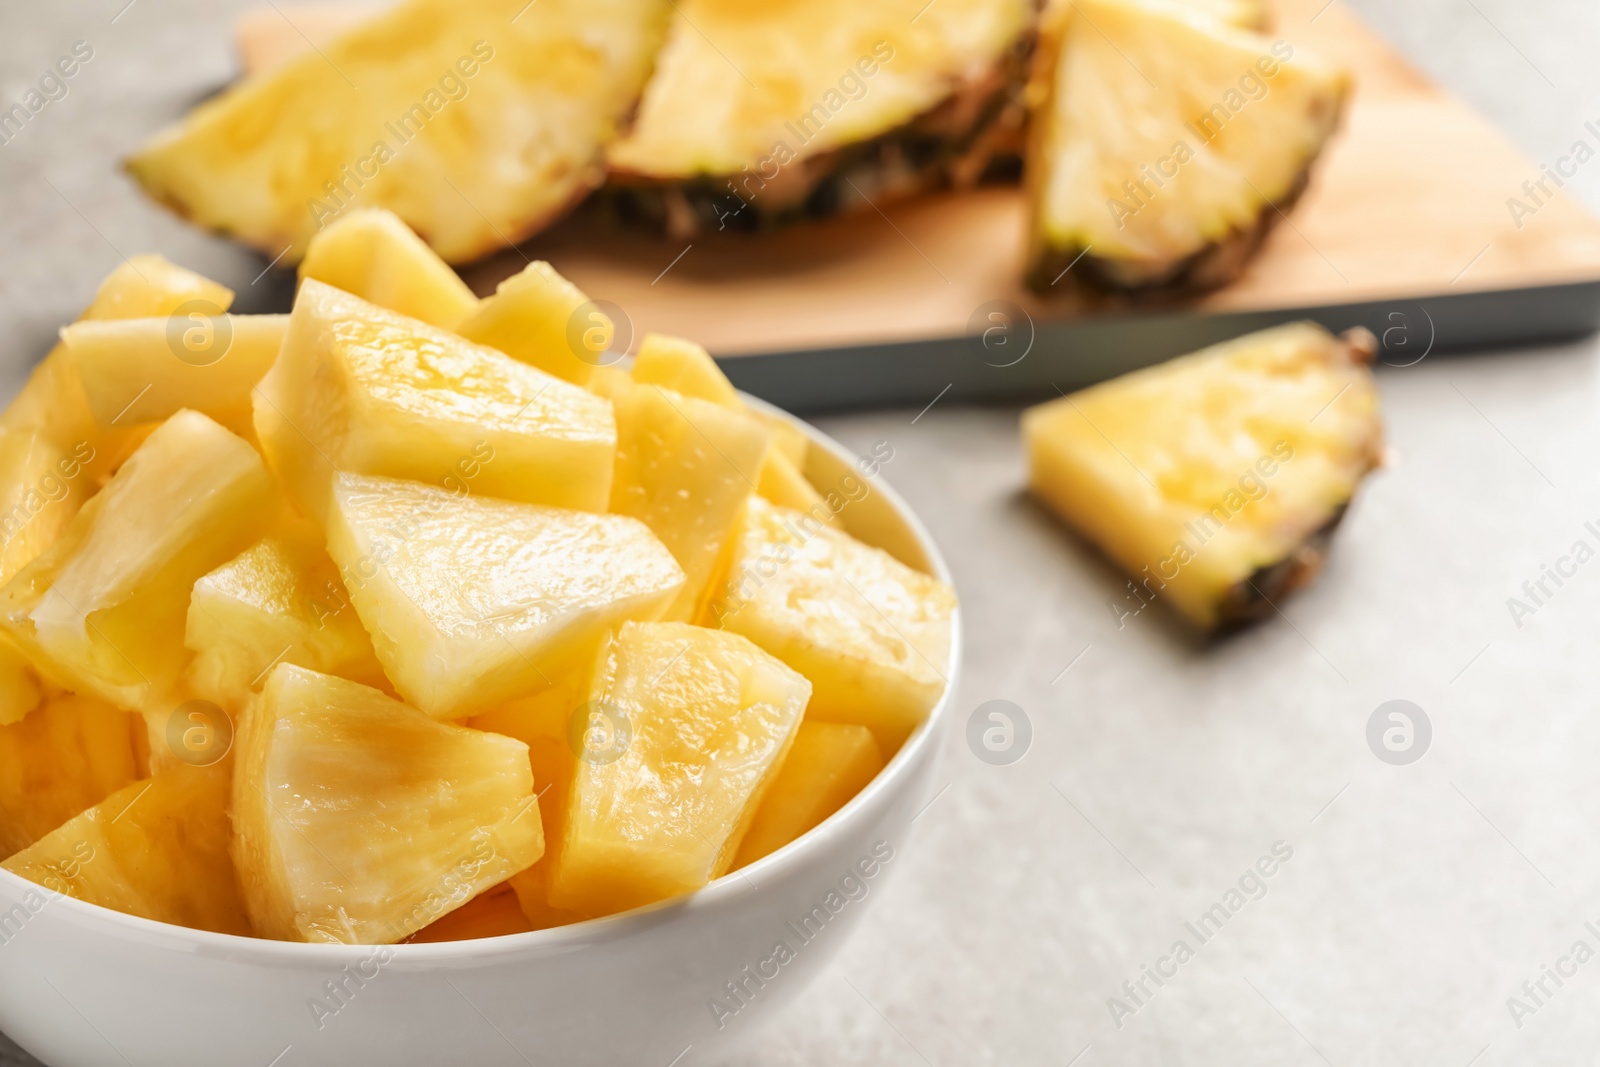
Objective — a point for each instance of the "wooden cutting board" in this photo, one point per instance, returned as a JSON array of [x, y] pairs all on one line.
[[1407, 228]]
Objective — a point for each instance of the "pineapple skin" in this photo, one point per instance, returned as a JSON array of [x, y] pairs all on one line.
[[1211, 431]]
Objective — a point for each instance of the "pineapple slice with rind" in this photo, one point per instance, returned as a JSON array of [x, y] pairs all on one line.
[[829, 764], [279, 601], [871, 634], [157, 849], [53, 402], [699, 721], [360, 820], [759, 113], [1215, 479], [684, 468], [476, 121], [146, 370], [471, 602], [102, 610], [540, 318], [358, 388], [1213, 134], [370, 253], [66, 755]]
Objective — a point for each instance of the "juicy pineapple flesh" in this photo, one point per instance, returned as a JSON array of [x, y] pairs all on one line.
[[65, 756], [475, 121], [1215, 479], [1166, 142], [685, 729], [441, 812], [370, 253], [829, 764]]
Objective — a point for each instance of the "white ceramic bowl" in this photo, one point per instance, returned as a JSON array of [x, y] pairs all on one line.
[[82, 986]]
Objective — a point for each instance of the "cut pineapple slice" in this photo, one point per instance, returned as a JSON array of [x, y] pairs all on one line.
[[370, 253], [66, 756], [280, 601], [476, 121], [358, 388], [1214, 130], [871, 634], [494, 914], [685, 468], [699, 722], [145, 370], [157, 849], [1215, 479], [540, 318], [19, 684], [41, 489], [828, 765], [53, 402], [102, 610], [782, 484], [471, 602], [360, 820], [760, 112]]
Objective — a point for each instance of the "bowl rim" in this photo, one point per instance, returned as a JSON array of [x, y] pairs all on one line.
[[731, 886]]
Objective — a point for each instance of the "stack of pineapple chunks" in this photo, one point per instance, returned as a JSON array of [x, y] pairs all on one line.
[[400, 617]]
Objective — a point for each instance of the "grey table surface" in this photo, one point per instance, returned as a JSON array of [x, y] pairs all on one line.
[[1418, 898]]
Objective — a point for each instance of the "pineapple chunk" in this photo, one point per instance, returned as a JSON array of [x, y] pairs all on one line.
[[280, 601], [708, 719], [102, 610], [357, 388], [609, 381], [145, 370], [66, 756], [829, 764], [494, 914], [41, 489], [685, 468], [543, 320], [370, 253], [1214, 129], [1215, 479], [471, 602], [782, 484], [1250, 14], [53, 402], [476, 121], [157, 849], [837, 95], [872, 634], [19, 684], [360, 820]]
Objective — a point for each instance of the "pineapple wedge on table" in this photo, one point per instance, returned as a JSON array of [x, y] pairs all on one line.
[[478, 122], [157, 849], [690, 726], [829, 764], [871, 634], [370, 253], [102, 610], [1164, 145], [65, 756], [471, 602], [762, 113], [1216, 479], [358, 388], [360, 820]]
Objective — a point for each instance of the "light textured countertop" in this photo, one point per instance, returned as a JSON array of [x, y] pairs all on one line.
[[1417, 899]]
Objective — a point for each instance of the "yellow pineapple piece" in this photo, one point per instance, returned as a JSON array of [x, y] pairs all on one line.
[[471, 602], [1248, 14], [609, 381], [65, 756], [145, 370], [871, 634], [20, 692], [476, 121], [782, 484], [685, 468], [360, 820], [540, 318], [157, 849], [369, 252], [357, 388], [699, 722], [829, 764], [41, 489], [53, 401], [279, 601], [494, 914], [102, 610], [1216, 479]]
